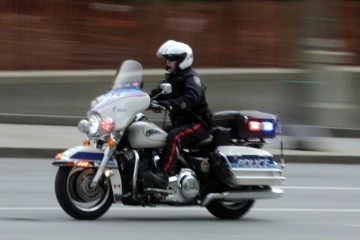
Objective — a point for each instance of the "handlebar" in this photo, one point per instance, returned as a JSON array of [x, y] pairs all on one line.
[[156, 107]]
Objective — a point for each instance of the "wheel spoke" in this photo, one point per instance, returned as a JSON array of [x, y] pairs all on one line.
[[80, 193]]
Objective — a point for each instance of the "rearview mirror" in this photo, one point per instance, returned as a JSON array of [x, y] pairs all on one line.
[[166, 87]]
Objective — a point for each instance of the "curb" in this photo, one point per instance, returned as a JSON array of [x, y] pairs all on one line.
[[29, 153], [289, 158]]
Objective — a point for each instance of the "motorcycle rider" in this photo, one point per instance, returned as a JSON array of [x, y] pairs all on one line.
[[189, 112]]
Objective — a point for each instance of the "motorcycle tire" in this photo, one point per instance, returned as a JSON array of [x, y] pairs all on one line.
[[62, 195], [222, 211]]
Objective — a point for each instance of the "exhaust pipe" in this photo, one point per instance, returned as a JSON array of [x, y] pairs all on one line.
[[245, 195]]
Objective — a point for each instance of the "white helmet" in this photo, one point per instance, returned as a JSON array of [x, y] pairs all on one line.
[[177, 50]]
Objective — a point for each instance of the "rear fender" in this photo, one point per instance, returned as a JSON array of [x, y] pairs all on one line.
[[90, 157]]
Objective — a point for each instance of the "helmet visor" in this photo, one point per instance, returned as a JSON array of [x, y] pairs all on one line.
[[172, 57]]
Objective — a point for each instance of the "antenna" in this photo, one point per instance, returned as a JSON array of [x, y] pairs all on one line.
[[281, 145]]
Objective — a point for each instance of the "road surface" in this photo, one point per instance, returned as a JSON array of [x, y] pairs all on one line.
[[320, 202]]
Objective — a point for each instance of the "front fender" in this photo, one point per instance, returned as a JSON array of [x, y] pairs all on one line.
[[73, 156], [87, 156]]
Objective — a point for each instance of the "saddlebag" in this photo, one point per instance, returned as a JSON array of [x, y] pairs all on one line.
[[223, 170]]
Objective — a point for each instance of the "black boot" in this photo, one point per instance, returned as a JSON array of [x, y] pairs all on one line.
[[161, 179]]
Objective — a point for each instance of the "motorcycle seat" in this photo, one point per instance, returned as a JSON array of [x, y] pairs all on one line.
[[204, 143]]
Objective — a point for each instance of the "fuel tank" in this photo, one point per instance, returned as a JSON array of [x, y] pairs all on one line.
[[146, 135]]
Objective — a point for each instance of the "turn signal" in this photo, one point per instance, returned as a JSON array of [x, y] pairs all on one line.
[[58, 156], [86, 143], [110, 142]]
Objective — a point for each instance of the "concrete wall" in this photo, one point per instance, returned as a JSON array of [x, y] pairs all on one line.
[[62, 98]]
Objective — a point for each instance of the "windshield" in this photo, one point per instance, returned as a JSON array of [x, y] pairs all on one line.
[[128, 76], [128, 79]]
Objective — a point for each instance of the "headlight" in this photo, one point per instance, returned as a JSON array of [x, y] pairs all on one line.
[[83, 126], [94, 124]]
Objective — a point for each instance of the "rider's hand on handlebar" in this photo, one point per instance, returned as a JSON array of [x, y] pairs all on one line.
[[155, 107], [165, 104]]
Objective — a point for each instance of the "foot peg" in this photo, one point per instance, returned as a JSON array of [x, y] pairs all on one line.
[[158, 190]]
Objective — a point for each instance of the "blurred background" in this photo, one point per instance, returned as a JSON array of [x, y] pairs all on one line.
[[98, 34], [295, 58]]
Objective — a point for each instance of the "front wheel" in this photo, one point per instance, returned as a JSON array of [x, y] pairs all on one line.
[[229, 210], [75, 196]]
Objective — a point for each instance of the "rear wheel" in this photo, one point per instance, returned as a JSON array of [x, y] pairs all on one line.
[[75, 196], [229, 210]]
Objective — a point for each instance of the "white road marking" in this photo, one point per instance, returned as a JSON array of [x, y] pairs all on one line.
[[318, 188], [183, 209], [304, 210]]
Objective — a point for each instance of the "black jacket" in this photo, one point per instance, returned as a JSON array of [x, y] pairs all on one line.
[[188, 92]]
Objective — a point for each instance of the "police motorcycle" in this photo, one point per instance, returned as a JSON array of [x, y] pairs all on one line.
[[220, 173]]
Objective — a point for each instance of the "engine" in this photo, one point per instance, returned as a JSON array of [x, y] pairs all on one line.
[[186, 187], [182, 188]]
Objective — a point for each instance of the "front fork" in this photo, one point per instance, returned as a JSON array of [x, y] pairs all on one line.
[[108, 153], [109, 150]]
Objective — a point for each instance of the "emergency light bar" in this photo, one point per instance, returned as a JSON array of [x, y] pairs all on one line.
[[261, 126]]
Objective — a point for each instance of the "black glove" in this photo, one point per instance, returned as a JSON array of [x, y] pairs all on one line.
[[154, 106], [165, 104]]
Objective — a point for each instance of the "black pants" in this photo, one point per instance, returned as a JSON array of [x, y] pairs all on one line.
[[189, 135]]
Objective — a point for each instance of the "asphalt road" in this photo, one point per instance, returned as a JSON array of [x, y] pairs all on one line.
[[320, 202]]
